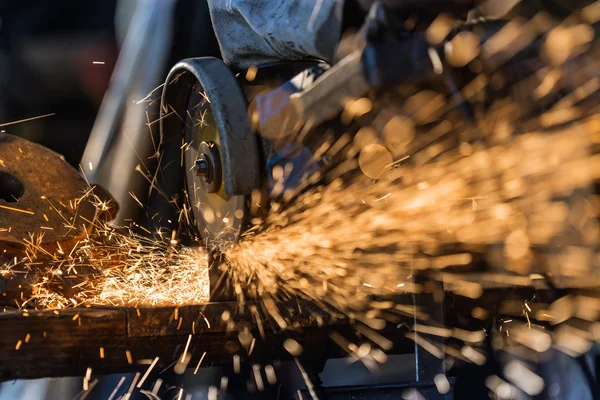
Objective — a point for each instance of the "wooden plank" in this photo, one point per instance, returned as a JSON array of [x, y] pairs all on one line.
[[67, 342], [209, 318], [38, 342]]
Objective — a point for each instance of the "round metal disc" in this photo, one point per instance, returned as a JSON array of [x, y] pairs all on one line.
[[39, 194], [219, 218]]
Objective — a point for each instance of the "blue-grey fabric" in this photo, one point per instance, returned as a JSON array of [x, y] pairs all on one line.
[[255, 32]]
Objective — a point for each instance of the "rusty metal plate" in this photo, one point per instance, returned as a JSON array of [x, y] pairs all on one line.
[[39, 195]]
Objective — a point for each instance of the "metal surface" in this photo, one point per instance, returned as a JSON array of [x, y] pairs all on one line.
[[201, 167], [39, 195], [208, 165]]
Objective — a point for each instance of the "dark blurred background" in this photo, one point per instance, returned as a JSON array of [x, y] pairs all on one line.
[[47, 54]]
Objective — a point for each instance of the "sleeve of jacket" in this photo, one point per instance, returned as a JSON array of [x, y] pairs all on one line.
[[254, 32]]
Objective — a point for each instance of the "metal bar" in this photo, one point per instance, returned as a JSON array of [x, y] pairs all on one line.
[[110, 158]]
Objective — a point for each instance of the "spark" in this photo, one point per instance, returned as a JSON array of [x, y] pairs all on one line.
[[205, 320], [383, 197], [441, 383], [127, 395], [116, 389], [293, 347], [426, 345], [435, 60], [251, 346], [89, 389], [524, 378], [395, 163], [270, 372], [224, 383], [236, 364], [86, 379], [187, 346], [473, 355], [150, 94], [26, 120], [251, 73], [141, 382], [199, 363], [212, 393], [157, 386], [17, 209], [307, 381], [258, 377]]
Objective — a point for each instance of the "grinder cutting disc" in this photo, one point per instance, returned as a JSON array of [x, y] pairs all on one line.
[[39, 195], [203, 102], [219, 217]]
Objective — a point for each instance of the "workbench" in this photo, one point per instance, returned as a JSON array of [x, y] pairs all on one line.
[[69, 341]]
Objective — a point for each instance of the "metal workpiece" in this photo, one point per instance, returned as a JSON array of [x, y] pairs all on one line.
[[108, 159], [43, 200]]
